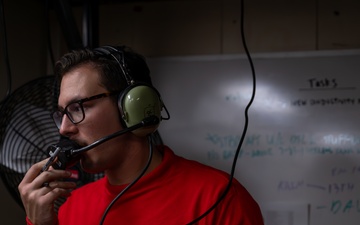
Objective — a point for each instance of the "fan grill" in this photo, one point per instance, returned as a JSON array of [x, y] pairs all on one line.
[[26, 132], [26, 129]]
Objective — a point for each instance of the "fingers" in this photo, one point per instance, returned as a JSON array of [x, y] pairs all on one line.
[[39, 203], [38, 200], [62, 185], [49, 176], [55, 189], [56, 186], [34, 171], [32, 185]]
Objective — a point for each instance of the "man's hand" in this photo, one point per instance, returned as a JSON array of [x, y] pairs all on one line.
[[39, 190]]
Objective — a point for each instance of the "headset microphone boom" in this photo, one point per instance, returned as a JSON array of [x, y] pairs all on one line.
[[66, 153]]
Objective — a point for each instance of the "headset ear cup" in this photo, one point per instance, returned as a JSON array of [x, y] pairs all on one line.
[[137, 103]]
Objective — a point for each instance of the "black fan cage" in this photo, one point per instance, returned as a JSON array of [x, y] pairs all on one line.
[[26, 129], [26, 132]]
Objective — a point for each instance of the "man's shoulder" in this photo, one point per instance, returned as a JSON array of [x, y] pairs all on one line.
[[198, 172], [203, 176]]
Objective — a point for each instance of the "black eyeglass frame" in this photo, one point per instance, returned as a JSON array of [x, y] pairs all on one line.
[[60, 113]]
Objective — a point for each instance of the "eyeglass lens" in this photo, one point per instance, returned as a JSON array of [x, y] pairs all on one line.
[[73, 111]]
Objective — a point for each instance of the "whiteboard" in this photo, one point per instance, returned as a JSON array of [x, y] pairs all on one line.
[[302, 145]]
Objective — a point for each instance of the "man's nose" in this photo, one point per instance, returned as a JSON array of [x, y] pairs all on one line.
[[66, 126]]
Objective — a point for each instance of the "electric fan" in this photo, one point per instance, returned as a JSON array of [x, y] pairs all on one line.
[[26, 132]]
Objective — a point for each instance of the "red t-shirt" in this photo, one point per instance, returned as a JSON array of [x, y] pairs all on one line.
[[175, 193]]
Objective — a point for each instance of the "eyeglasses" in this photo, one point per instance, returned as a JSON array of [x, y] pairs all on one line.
[[75, 110]]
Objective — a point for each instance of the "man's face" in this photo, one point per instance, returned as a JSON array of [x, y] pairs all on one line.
[[101, 116]]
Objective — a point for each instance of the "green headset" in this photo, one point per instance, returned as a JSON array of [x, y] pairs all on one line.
[[138, 101]]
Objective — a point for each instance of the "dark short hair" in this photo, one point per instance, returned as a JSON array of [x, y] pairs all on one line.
[[111, 74]]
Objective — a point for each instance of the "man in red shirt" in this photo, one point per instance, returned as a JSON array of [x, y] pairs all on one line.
[[103, 91]]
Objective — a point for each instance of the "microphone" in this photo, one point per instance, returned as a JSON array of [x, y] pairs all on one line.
[[66, 153]]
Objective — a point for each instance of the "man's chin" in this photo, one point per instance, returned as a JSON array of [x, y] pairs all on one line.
[[88, 167]]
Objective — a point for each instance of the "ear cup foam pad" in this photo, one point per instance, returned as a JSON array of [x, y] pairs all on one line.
[[137, 103]]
